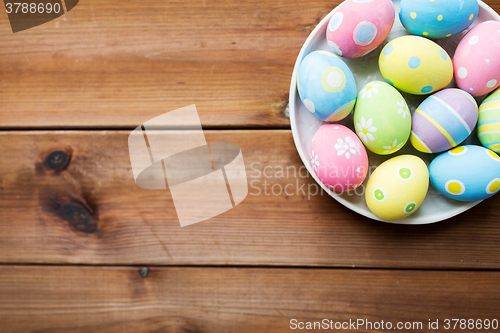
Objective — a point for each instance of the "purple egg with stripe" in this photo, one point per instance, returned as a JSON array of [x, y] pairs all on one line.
[[443, 120]]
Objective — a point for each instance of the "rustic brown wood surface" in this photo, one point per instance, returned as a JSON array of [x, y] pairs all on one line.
[[76, 231], [182, 300], [118, 63], [124, 224]]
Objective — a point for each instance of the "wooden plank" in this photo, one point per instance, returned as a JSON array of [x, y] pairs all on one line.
[[116, 64], [116, 222], [102, 299]]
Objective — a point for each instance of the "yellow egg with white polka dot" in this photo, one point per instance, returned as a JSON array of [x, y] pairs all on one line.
[[416, 65], [397, 187]]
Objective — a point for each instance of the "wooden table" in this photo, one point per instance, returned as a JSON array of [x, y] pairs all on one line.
[[83, 249]]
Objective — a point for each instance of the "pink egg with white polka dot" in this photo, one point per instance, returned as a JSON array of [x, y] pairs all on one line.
[[338, 158], [477, 63], [357, 27]]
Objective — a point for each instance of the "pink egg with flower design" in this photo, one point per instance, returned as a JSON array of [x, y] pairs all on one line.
[[477, 63], [357, 27], [338, 158]]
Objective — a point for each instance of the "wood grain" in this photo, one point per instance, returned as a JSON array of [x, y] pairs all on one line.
[[90, 211], [68, 197], [115, 64], [100, 299]]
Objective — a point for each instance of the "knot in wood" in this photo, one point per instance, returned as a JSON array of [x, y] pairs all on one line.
[[144, 271], [57, 160]]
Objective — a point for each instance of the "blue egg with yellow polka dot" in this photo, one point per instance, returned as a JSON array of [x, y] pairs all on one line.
[[466, 173], [437, 18], [326, 86]]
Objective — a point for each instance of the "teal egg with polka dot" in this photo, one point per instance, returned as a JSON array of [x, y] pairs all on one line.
[[437, 18], [326, 86], [466, 173]]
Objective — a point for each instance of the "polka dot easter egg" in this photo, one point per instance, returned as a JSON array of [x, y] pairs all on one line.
[[382, 118], [397, 188], [477, 62], [466, 173], [437, 19], [443, 120], [415, 65], [359, 26], [326, 86], [338, 158], [488, 127]]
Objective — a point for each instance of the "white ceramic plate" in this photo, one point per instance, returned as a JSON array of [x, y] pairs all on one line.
[[436, 207]]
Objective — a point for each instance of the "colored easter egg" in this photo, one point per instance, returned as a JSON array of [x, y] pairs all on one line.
[[466, 173], [443, 120], [437, 19], [476, 63], [397, 188], [326, 86], [415, 65], [382, 119], [358, 27], [338, 158], [488, 127]]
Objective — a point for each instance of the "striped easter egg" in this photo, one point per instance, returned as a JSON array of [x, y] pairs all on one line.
[[443, 120], [488, 127]]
